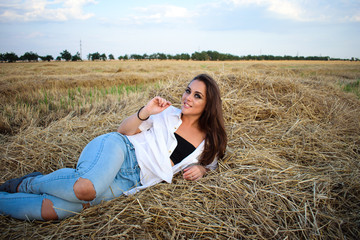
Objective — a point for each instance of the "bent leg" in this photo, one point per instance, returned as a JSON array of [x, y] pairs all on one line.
[[99, 163], [47, 210], [84, 189], [28, 206], [127, 178]]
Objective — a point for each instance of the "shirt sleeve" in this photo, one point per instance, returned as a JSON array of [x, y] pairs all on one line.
[[213, 165], [145, 125]]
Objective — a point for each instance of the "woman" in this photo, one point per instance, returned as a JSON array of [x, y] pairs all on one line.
[[149, 147]]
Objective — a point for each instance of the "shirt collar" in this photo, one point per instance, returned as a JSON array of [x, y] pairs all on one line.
[[177, 112]]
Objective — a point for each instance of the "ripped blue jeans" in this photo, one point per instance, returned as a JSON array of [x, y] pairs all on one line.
[[108, 161]]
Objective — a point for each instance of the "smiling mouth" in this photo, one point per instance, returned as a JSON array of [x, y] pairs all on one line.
[[187, 105]]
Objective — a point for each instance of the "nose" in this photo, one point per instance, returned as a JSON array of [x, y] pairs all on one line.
[[189, 97]]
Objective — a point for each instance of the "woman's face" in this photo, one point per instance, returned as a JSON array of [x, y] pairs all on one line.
[[194, 99]]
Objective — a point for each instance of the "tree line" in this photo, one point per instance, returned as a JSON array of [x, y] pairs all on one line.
[[34, 57], [196, 56]]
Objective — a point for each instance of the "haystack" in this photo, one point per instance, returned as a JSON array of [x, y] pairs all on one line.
[[291, 169]]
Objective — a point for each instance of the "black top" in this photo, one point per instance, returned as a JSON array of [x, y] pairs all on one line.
[[182, 150]]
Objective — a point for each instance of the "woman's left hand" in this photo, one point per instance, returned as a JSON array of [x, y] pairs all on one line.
[[194, 172]]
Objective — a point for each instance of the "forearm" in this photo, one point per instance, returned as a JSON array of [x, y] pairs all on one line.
[[130, 125]]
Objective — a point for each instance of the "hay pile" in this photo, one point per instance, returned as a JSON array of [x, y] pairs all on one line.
[[291, 170]]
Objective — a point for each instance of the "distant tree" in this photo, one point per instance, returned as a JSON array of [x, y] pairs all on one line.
[[30, 56], [47, 58], [111, 57], [58, 58], [11, 57], [94, 56], [76, 57], [185, 56], [136, 56], [203, 56], [2, 57], [103, 57], [213, 55], [182, 56], [161, 56], [125, 57], [66, 55], [153, 56]]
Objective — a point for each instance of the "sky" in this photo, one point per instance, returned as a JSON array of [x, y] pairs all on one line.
[[239, 27]]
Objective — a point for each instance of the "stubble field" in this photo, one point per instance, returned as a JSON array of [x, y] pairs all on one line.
[[291, 170]]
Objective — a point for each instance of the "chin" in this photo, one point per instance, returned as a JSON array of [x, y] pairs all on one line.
[[184, 109]]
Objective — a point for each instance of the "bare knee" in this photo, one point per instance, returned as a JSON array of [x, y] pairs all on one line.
[[84, 189], [47, 210]]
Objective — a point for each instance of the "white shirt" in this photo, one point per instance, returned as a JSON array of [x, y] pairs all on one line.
[[155, 144]]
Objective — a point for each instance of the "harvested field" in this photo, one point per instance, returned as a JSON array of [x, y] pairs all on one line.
[[291, 170]]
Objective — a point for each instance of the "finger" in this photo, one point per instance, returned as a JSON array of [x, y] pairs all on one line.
[[191, 169], [161, 102], [186, 175], [154, 102], [190, 178], [190, 175], [188, 168], [166, 103], [195, 178]]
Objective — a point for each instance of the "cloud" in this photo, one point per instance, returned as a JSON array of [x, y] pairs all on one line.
[[282, 8], [160, 14], [287, 9], [353, 18], [38, 10], [34, 35], [306, 10], [356, 18]]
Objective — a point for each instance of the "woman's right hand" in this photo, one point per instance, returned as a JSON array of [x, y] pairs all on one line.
[[154, 106], [130, 125]]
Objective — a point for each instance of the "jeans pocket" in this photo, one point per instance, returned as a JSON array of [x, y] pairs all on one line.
[[128, 178], [129, 173]]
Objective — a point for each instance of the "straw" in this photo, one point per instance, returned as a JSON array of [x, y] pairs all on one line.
[[291, 169]]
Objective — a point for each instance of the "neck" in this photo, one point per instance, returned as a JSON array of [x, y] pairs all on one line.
[[190, 120]]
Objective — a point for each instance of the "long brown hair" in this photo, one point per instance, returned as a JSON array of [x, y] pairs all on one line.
[[211, 122]]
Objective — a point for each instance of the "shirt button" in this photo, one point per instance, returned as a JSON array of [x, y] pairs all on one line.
[[169, 151], [175, 127]]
